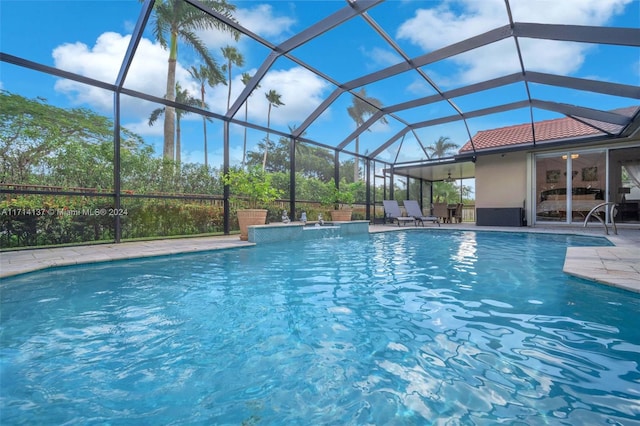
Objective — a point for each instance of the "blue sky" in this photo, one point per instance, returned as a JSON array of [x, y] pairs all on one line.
[[90, 37]]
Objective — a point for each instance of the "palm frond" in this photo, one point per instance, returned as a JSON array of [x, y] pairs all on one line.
[[155, 115]]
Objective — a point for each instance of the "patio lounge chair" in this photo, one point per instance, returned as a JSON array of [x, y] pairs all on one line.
[[392, 212], [413, 209]]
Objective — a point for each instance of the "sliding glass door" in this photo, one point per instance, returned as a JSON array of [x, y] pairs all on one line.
[[588, 183], [569, 185], [551, 188], [624, 181]]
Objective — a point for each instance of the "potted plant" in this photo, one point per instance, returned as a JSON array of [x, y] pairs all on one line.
[[340, 199], [251, 190]]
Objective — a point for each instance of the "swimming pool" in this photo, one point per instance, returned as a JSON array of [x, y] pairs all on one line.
[[406, 327]]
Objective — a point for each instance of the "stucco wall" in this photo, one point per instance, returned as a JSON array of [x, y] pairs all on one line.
[[501, 180]]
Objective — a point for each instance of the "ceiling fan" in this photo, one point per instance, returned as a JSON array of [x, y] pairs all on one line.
[[449, 178]]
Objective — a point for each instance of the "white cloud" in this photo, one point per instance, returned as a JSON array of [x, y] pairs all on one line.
[[435, 28], [457, 20], [301, 92], [262, 21], [573, 12], [148, 74], [380, 58], [214, 39], [142, 127], [553, 57], [102, 62]]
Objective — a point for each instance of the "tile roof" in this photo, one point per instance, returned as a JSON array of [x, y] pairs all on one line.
[[546, 131]]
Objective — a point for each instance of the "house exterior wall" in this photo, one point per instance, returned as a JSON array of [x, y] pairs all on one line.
[[501, 180], [507, 181]]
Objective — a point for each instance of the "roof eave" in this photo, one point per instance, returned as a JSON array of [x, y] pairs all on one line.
[[539, 146]]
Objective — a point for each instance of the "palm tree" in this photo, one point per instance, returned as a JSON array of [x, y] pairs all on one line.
[[442, 147], [274, 100], [300, 148], [446, 189], [210, 76], [183, 97], [177, 20], [362, 108], [245, 80], [232, 56]]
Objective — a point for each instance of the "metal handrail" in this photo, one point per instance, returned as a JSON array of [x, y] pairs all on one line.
[[603, 221]]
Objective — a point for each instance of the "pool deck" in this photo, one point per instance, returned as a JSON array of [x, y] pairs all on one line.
[[618, 265]]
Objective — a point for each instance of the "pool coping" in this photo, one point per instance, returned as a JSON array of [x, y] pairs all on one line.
[[614, 266], [20, 262], [617, 265]]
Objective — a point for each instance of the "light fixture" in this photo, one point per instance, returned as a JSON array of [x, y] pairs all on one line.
[[573, 156], [449, 178]]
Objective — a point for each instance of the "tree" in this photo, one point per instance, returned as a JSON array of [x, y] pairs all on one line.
[[311, 161], [362, 108], [176, 20], [251, 188], [245, 80], [42, 144], [299, 147], [446, 192], [183, 97], [211, 77], [274, 100], [315, 162], [275, 159], [346, 169], [232, 56], [442, 147]]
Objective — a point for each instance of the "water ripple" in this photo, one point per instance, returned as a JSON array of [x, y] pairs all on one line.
[[402, 328]]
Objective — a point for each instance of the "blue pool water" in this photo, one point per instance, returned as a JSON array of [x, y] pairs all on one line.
[[403, 328]]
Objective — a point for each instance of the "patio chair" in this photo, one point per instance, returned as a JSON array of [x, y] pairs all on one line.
[[392, 212], [413, 209], [457, 215], [441, 211]]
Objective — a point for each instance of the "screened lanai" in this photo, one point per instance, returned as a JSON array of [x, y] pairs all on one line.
[[99, 96]]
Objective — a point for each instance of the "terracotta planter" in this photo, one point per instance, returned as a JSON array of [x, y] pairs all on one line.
[[248, 217], [342, 215]]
